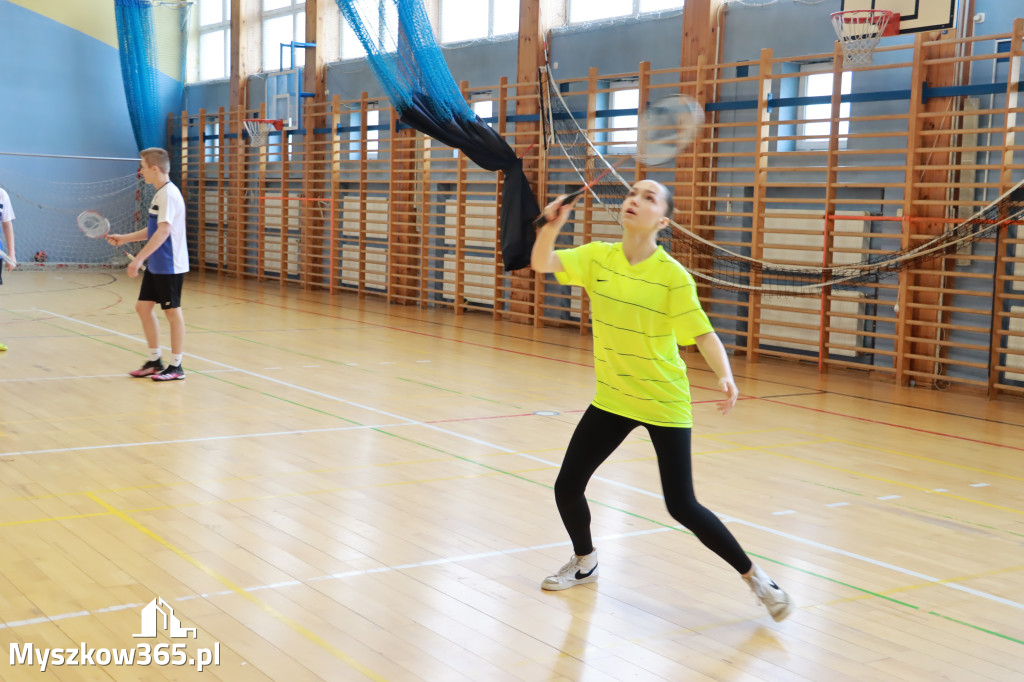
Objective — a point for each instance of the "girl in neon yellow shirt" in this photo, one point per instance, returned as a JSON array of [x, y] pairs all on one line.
[[643, 306]]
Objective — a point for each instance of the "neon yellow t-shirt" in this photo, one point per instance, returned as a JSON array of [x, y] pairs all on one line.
[[641, 314]]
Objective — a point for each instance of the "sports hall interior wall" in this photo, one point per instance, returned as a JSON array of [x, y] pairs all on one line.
[[615, 49], [64, 97]]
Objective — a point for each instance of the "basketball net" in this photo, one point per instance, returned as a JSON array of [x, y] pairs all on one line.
[[859, 32], [259, 130]]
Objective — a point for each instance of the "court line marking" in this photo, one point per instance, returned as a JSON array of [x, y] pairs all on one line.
[[335, 576], [246, 295], [236, 589], [898, 426], [91, 376], [198, 439], [817, 545], [788, 536], [287, 384]]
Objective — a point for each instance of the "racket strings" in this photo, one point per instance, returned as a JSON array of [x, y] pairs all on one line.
[[581, 156]]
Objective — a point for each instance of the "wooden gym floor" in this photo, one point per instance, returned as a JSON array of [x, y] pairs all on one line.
[[345, 490]]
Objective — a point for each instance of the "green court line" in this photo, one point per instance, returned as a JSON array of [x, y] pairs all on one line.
[[497, 402], [956, 520], [679, 529], [342, 364], [919, 510], [831, 487], [977, 627], [217, 378], [286, 350], [423, 383], [277, 397], [605, 505]]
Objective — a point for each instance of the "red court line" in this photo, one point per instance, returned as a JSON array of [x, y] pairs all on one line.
[[896, 426], [473, 419], [410, 331], [545, 357], [534, 414]]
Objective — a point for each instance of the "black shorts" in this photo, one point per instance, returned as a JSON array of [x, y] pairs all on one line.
[[162, 289]]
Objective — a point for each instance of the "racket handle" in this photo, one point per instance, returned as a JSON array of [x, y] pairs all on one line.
[[542, 219]]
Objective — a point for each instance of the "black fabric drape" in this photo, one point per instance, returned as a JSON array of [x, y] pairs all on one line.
[[487, 149]]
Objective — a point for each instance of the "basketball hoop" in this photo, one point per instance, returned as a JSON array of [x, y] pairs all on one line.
[[259, 130], [859, 31]]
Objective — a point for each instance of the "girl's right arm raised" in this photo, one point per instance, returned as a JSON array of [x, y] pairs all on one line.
[[542, 257]]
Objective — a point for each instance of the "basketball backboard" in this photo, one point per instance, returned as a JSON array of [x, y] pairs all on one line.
[[915, 15], [283, 99]]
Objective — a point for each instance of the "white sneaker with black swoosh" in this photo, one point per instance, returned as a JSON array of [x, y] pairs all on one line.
[[578, 571], [773, 597]]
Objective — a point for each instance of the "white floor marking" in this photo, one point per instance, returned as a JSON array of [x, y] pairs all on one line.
[[788, 536], [334, 576], [93, 376], [201, 439]]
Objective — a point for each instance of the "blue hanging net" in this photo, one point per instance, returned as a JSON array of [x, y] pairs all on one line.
[[408, 64], [152, 93], [405, 58]]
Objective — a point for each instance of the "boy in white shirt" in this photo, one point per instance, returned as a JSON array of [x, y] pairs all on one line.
[[165, 273]]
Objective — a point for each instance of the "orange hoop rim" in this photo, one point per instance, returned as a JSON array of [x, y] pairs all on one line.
[[276, 122], [862, 16]]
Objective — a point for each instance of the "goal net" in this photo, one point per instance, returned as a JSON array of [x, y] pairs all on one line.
[[48, 193]]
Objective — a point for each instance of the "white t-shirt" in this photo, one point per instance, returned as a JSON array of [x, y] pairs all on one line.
[[168, 206], [6, 210]]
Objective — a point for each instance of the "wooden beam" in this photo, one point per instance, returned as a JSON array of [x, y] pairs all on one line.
[[763, 131], [700, 31], [313, 71], [926, 196], [244, 50], [524, 283]]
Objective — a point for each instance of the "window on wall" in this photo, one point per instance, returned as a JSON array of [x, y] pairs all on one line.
[[284, 21], [372, 134], [214, 39], [817, 127], [474, 19], [622, 133], [211, 142], [351, 48], [593, 10]]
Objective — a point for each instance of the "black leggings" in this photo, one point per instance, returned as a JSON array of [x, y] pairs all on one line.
[[596, 437]]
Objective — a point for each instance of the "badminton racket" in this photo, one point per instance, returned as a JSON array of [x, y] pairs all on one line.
[[93, 225], [668, 127]]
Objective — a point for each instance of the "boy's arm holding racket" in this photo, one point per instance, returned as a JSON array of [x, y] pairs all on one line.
[[122, 239], [542, 257], [163, 231]]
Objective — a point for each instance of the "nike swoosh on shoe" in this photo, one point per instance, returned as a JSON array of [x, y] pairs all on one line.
[[581, 576]]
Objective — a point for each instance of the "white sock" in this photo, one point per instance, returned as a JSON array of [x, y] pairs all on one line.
[[587, 562], [154, 354], [176, 359]]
